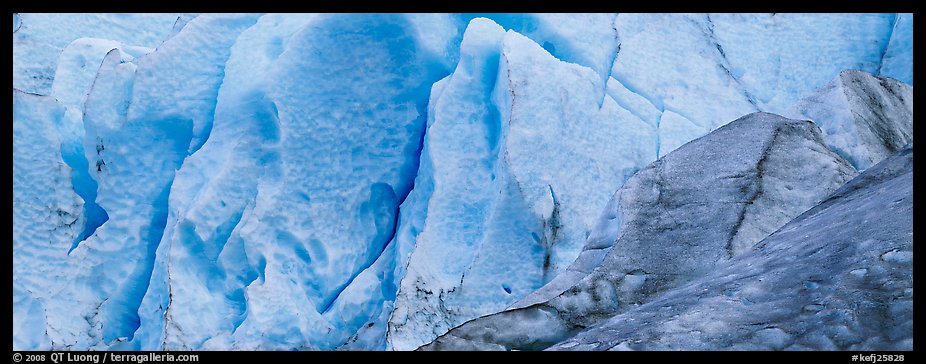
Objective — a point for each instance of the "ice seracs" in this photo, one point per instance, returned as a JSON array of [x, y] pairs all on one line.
[[132, 154], [281, 222], [518, 154], [370, 181], [670, 224]]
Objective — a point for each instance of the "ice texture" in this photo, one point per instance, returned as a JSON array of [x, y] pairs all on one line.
[[370, 181], [864, 118], [899, 53], [519, 156], [582, 38], [825, 281], [130, 154], [712, 68], [47, 217], [732, 64], [78, 66], [670, 224], [38, 39], [280, 224]]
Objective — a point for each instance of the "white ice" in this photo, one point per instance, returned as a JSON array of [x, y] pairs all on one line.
[[39, 39]]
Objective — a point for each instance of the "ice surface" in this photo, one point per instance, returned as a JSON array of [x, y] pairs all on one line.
[[565, 153], [712, 68], [676, 130], [775, 56], [40, 38], [352, 127], [301, 181], [78, 66], [515, 142], [454, 144], [182, 78], [241, 123], [864, 118], [279, 228], [686, 94], [182, 20], [582, 38], [899, 53], [47, 217], [821, 282], [674, 62], [132, 154], [677, 218]]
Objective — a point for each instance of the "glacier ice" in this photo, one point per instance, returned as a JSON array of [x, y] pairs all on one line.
[[46, 219], [659, 66], [864, 117], [517, 122], [111, 269], [302, 181], [899, 53], [712, 68], [675, 130], [78, 66], [651, 81], [850, 41], [581, 38], [296, 129], [38, 39], [670, 224], [821, 282]]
